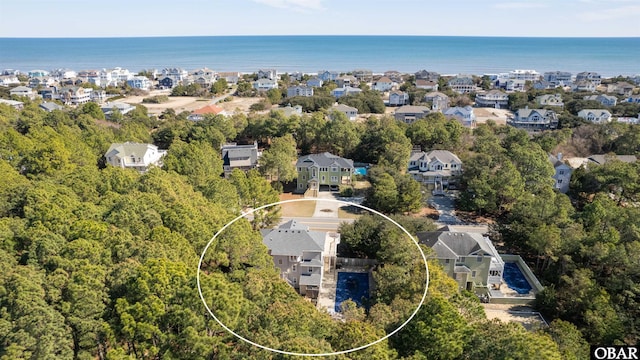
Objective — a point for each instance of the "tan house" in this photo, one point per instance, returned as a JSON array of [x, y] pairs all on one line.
[[135, 156]]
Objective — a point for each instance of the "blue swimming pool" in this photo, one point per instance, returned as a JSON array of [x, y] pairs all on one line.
[[354, 286], [515, 279], [360, 171]]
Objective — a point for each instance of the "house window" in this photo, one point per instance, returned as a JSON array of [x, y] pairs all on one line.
[[310, 269], [304, 177], [560, 181], [479, 258], [279, 261], [294, 268], [446, 261], [334, 179], [334, 169], [462, 259], [293, 258], [323, 178], [295, 281], [473, 273], [561, 172], [455, 276], [299, 169]]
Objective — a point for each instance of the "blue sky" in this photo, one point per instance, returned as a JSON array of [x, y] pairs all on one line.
[[89, 18]]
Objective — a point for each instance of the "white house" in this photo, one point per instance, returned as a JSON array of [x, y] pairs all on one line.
[[139, 82], [350, 112], [135, 156], [18, 105], [550, 100], [534, 119], [595, 115], [270, 74], [583, 85], [23, 91], [230, 77], [464, 114], [462, 84], [492, 99], [383, 84], [525, 75], [344, 91], [437, 168], [594, 77], [315, 82], [427, 84], [123, 108], [398, 98], [265, 84], [8, 80], [302, 256]]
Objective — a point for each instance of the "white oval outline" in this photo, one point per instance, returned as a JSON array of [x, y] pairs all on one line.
[[424, 295]]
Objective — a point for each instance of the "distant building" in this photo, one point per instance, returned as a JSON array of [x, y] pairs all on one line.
[[462, 84], [23, 91], [427, 75], [599, 116], [299, 91], [270, 74], [243, 157], [606, 100], [363, 75], [347, 81], [290, 110], [50, 106], [594, 77], [326, 75], [410, 113], [135, 156], [492, 99], [427, 84], [302, 256], [74, 95], [139, 82], [438, 100], [558, 78], [211, 109], [18, 105], [231, 77], [463, 114], [525, 75], [534, 119], [315, 82], [583, 85], [383, 84], [550, 100], [349, 111], [344, 91], [123, 108], [398, 98]]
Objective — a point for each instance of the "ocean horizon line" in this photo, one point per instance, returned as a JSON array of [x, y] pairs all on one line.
[[316, 35]]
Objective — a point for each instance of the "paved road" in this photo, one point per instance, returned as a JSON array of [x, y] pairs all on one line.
[[445, 205]]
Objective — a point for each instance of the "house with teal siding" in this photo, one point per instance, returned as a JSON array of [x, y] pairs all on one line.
[[315, 170]]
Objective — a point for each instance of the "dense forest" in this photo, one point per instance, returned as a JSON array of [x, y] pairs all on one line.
[[101, 262]]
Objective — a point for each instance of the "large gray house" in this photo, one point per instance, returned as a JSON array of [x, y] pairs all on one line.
[[301, 255]]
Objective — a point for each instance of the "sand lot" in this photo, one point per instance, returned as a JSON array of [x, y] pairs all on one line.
[[189, 103], [497, 115], [514, 313]]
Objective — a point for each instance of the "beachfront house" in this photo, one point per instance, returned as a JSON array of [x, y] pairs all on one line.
[[606, 100], [465, 115], [427, 75], [598, 116], [363, 75], [270, 74], [591, 76], [524, 75], [315, 170], [534, 119], [558, 78], [410, 113], [135, 156], [299, 91], [166, 82], [326, 75], [140, 82], [492, 99], [350, 112], [8, 80], [398, 98], [302, 256], [462, 84], [437, 169], [438, 100], [231, 77], [554, 100], [243, 157], [562, 174], [468, 258]]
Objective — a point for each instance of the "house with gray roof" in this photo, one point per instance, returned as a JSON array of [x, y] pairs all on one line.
[[469, 258], [598, 116], [398, 98], [23, 91], [462, 84], [18, 105], [465, 115], [562, 175], [243, 157], [265, 84], [350, 112], [410, 113], [437, 169], [492, 99], [438, 100], [606, 100], [591, 76], [550, 100], [109, 107], [50, 106], [315, 170], [302, 256], [558, 78], [534, 119], [299, 91], [135, 156]]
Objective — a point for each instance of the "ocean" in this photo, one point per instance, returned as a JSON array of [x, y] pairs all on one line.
[[442, 54]]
